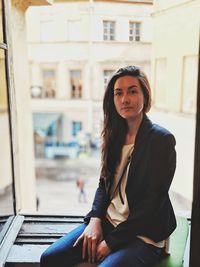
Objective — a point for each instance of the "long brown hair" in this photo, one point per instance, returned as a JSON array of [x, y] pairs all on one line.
[[115, 127]]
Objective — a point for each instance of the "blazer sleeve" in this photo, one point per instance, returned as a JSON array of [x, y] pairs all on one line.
[[161, 170], [100, 202]]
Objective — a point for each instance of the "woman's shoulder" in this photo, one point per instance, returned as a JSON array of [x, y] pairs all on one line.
[[156, 132], [155, 128], [160, 130], [162, 133]]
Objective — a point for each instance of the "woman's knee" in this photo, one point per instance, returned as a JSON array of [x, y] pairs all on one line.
[[55, 256], [45, 260], [62, 250], [59, 256]]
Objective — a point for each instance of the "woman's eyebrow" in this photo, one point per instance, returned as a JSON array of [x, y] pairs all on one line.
[[132, 86]]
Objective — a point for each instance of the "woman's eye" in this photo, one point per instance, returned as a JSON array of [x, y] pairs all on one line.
[[118, 93], [133, 92]]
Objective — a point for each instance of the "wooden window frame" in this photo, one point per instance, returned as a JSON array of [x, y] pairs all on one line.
[[14, 223], [195, 219], [11, 224]]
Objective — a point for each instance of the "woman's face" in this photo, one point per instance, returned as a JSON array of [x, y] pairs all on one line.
[[128, 97]]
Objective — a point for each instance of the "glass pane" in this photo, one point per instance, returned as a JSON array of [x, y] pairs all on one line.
[[67, 161], [49, 82], [6, 197], [1, 27], [62, 151], [76, 83]]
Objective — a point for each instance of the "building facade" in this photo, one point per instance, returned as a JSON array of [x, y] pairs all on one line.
[[175, 54], [175, 58], [74, 47]]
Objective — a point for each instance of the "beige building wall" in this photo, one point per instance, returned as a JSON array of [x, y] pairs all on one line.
[[75, 42], [174, 71], [175, 54]]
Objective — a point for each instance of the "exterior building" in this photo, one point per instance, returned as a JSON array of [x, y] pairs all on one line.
[[74, 47], [175, 54], [15, 117], [175, 70]]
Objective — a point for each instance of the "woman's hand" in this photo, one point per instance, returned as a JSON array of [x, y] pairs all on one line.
[[102, 251], [91, 237]]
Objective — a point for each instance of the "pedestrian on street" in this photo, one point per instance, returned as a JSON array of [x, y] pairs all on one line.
[[80, 183], [132, 217]]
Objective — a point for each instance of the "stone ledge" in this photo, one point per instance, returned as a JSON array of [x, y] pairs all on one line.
[[23, 5], [38, 232]]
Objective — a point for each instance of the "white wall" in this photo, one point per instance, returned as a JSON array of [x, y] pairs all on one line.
[[176, 36], [174, 76], [26, 180]]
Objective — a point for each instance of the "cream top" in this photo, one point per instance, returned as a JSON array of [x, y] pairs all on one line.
[[118, 212]]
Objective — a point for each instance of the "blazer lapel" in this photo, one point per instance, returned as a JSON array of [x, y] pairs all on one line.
[[139, 147], [141, 138]]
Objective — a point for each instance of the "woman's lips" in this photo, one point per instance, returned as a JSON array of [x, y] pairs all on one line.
[[126, 108]]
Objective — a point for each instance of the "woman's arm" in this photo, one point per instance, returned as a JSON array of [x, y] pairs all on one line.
[[93, 234], [100, 202], [91, 237]]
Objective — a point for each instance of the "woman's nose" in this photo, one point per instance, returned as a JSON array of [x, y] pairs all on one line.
[[125, 99]]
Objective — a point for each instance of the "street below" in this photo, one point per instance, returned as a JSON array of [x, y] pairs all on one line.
[[57, 189]]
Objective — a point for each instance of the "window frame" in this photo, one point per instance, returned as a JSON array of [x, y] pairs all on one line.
[[12, 223], [195, 218], [107, 28], [45, 93], [10, 96], [11, 231], [76, 91], [107, 73], [133, 27]]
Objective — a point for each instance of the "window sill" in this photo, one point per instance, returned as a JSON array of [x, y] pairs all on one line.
[[9, 238], [35, 235], [38, 232]]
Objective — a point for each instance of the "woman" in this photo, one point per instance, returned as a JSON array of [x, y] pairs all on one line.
[[132, 216]]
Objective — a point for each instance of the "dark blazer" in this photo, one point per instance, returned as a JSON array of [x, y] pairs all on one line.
[[150, 175]]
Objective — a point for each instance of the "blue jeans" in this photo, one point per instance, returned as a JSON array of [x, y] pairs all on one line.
[[135, 254]]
